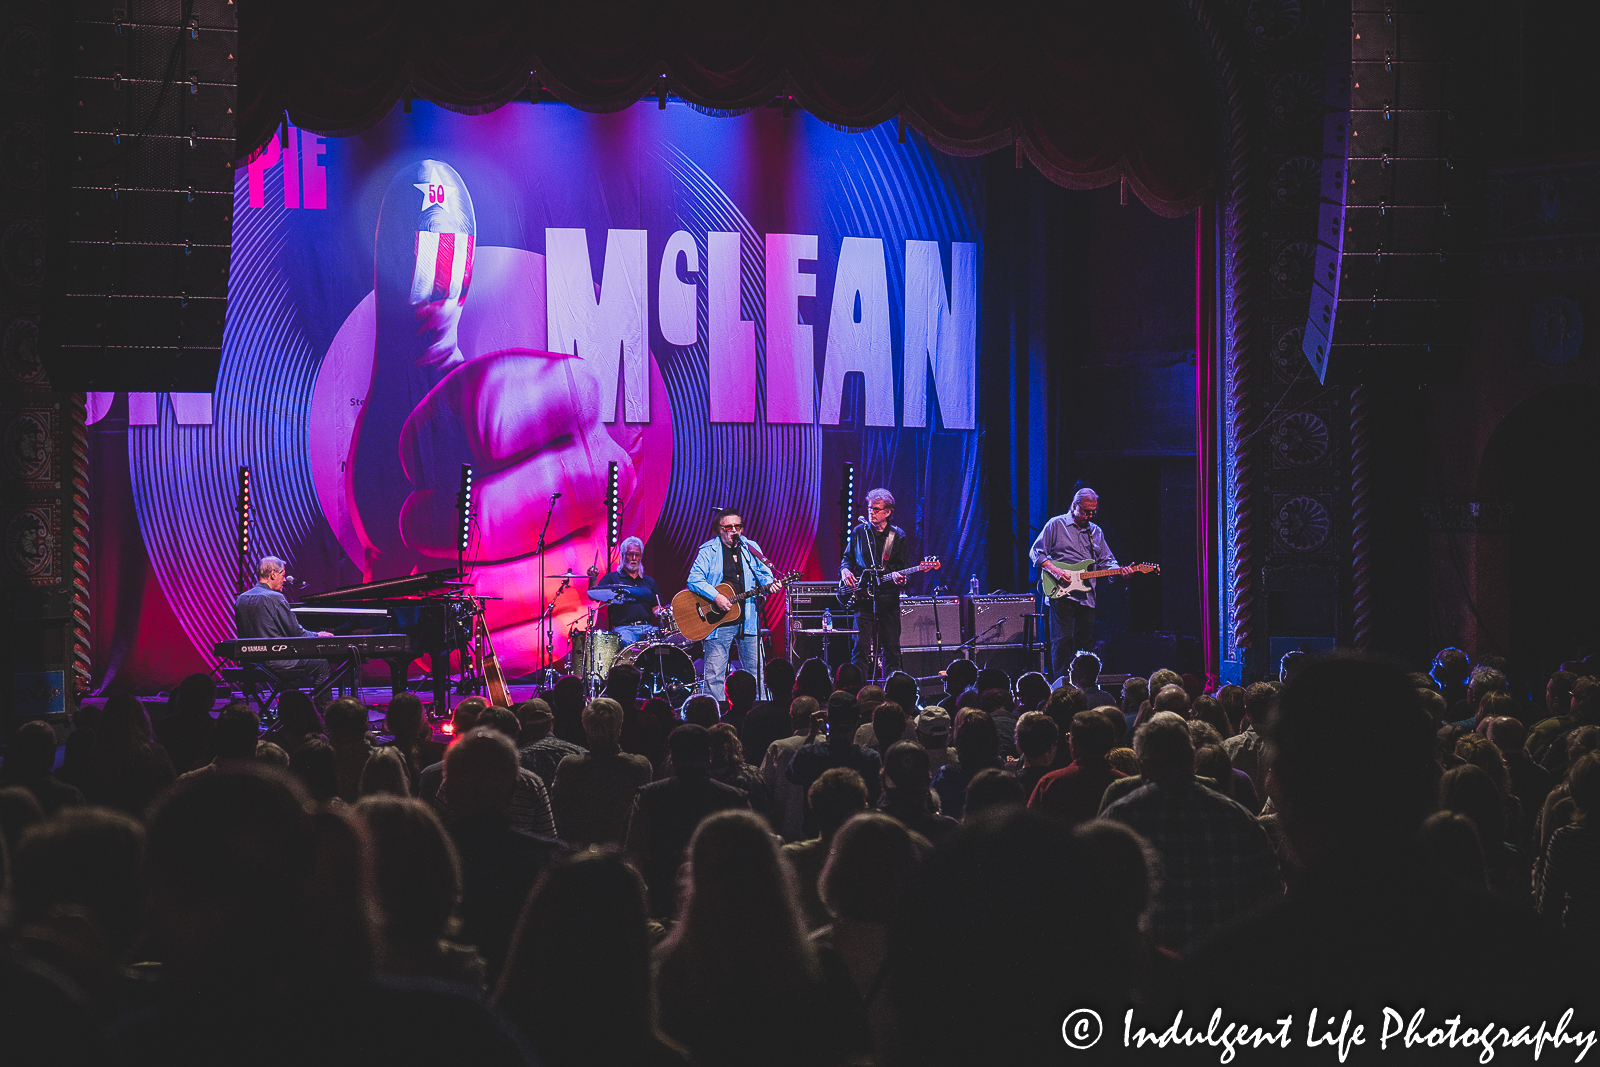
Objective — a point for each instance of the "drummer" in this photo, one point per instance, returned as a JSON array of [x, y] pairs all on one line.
[[637, 605]]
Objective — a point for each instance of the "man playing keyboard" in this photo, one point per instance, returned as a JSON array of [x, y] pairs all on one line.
[[262, 611]]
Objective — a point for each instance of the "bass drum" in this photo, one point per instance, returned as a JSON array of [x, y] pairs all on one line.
[[661, 664], [594, 652]]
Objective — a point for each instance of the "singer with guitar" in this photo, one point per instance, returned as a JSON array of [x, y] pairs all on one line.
[[729, 557], [263, 611], [1072, 538], [876, 549]]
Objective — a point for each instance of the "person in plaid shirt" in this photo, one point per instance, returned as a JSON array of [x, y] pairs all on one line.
[[1216, 863]]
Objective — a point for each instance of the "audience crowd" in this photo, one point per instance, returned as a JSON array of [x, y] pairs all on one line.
[[848, 874]]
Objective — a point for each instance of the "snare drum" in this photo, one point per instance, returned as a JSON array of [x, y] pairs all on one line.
[[594, 652], [660, 664]]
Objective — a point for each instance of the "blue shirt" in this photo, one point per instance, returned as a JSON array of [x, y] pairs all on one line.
[[263, 612], [706, 572], [1064, 541]]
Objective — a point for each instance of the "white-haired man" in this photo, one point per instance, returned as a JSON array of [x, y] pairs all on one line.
[[876, 548], [633, 614], [1073, 539], [263, 611]]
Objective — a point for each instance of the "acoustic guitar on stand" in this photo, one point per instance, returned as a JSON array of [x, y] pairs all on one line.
[[1079, 575], [696, 616]]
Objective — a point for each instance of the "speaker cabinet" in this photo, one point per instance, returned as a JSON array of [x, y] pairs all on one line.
[[1001, 619], [927, 622], [137, 296]]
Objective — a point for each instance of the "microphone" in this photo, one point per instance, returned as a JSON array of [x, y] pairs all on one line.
[[555, 496], [289, 579]]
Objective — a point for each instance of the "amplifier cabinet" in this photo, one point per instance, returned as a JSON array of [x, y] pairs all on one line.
[[1001, 619], [804, 603], [918, 627], [929, 662], [1015, 660]]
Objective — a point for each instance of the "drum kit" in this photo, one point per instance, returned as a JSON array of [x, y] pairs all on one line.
[[661, 654]]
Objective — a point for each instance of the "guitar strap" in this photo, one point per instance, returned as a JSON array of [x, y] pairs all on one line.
[[888, 549]]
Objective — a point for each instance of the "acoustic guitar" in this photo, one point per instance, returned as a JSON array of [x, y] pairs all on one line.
[[1079, 574], [696, 616]]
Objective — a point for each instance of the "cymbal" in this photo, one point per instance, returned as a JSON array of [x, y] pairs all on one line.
[[604, 596], [569, 574]]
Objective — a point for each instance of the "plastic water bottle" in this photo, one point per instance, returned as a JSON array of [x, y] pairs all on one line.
[[827, 618], [972, 586]]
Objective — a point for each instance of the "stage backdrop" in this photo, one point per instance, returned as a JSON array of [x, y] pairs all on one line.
[[727, 308]]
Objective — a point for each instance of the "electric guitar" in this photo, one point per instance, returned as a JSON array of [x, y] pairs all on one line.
[[696, 616], [871, 578], [1079, 574]]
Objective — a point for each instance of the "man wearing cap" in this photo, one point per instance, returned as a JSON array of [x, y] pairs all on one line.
[[839, 750], [665, 814], [933, 732], [538, 749]]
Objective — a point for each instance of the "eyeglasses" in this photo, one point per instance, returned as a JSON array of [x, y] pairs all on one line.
[[730, 526], [880, 507]]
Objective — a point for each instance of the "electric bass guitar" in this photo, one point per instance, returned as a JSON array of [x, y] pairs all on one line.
[[871, 578], [1079, 574], [696, 616]]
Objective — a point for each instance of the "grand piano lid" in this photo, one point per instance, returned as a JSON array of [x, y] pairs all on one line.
[[386, 589]]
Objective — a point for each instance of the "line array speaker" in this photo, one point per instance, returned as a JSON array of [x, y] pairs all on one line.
[[139, 282]]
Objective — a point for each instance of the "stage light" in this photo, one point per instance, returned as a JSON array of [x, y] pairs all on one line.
[[613, 506], [464, 508], [242, 506], [847, 504]]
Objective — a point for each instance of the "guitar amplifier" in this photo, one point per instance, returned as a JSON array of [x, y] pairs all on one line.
[[806, 601], [1001, 619], [804, 604], [1015, 660], [924, 663], [917, 622]]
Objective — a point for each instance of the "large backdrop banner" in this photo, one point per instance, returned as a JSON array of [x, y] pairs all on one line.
[[728, 309]]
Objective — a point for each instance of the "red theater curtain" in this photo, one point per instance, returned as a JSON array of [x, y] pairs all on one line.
[[1091, 93]]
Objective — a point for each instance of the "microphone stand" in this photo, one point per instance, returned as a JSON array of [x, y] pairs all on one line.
[[973, 644], [548, 629], [755, 604]]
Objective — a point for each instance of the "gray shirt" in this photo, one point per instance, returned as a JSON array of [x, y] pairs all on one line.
[[1064, 541]]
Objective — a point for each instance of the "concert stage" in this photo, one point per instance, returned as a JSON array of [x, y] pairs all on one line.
[[631, 321]]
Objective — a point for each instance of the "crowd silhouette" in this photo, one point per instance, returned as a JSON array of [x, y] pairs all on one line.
[[848, 874]]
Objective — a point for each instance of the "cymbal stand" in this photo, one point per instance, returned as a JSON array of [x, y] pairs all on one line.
[[549, 629], [548, 619]]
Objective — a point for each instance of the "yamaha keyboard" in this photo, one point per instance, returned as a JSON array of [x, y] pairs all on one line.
[[271, 648]]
